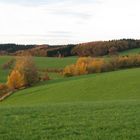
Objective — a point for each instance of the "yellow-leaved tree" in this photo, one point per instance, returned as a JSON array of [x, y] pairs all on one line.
[[24, 73], [16, 80]]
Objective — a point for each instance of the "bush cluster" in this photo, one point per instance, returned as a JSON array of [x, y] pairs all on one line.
[[88, 65]]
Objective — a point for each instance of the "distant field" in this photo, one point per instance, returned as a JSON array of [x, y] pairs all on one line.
[[48, 62], [131, 51], [99, 106]]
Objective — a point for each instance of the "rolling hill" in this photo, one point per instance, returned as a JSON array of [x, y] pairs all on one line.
[[119, 85], [99, 106]]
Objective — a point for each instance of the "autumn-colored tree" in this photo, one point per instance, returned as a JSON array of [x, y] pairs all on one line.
[[16, 80], [100, 48], [24, 73], [113, 51], [26, 66], [69, 70], [79, 68], [95, 66]]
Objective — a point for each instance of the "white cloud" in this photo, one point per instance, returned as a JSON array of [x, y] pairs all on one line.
[[68, 21]]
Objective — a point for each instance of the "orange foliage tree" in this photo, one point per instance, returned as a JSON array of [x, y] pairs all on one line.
[[77, 69], [24, 73], [96, 66], [16, 80]]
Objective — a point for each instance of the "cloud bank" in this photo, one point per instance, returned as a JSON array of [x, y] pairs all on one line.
[[68, 21]]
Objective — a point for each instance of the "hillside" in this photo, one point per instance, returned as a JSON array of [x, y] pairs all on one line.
[[119, 85], [101, 106]]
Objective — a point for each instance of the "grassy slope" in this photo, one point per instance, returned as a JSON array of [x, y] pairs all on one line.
[[100, 107], [126, 52], [80, 121], [131, 51], [119, 85]]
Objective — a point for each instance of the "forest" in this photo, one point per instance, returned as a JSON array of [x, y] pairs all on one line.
[[93, 49]]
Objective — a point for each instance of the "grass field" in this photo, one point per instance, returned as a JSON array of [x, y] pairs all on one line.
[[118, 120], [99, 106], [131, 51], [118, 85], [126, 52], [46, 62]]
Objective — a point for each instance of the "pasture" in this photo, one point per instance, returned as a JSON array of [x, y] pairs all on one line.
[[102, 106], [98, 106]]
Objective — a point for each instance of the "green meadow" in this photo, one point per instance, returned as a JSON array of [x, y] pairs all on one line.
[[130, 52], [104, 106]]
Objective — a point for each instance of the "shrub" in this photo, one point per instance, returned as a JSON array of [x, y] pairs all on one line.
[[45, 77], [69, 71], [3, 86]]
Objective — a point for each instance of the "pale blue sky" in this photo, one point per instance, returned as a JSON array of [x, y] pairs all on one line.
[[68, 21]]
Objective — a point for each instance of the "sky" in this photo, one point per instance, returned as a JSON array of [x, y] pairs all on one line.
[[68, 21]]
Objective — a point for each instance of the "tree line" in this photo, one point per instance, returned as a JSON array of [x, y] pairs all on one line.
[[37, 50], [10, 48], [93, 49], [101, 48]]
